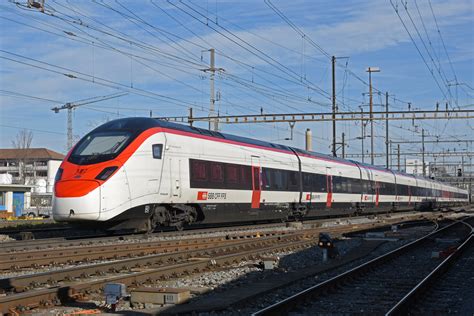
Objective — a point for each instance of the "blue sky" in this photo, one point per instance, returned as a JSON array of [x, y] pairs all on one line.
[[155, 51]]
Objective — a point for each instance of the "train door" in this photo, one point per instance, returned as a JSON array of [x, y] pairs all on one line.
[[176, 173], [329, 187], [176, 177], [371, 189], [359, 204], [365, 194], [256, 181], [156, 168]]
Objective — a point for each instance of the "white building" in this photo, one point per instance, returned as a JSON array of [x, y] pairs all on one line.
[[33, 166], [24, 170]]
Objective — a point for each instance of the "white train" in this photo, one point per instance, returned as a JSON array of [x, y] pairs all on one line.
[[141, 173]]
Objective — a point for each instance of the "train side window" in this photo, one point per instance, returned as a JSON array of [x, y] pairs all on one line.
[[157, 151], [217, 172], [232, 174], [307, 182], [355, 185], [198, 170], [245, 177], [319, 183], [293, 183], [281, 179], [266, 179]]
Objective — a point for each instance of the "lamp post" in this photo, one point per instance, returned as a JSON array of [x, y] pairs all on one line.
[[370, 70]]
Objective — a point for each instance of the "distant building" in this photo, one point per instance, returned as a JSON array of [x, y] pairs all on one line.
[[32, 167]]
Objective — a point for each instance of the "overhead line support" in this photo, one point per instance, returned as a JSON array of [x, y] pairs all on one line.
[[327, 117]]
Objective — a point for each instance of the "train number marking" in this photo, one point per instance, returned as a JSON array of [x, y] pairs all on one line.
[[204, 196], [313, 196], [216, 196]]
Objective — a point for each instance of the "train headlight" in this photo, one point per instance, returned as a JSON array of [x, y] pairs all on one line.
[[106, 173]]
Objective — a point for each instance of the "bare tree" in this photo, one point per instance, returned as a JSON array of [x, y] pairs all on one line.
[[23, 141]]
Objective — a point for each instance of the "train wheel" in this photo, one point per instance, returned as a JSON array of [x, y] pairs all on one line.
[[179, 226], [160, 216]]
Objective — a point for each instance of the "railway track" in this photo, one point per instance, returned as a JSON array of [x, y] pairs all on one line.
[[57, 252], [35, 235], [185, 254], [57, 242], [83, 254], [180, 258], [59, 285], [61, 242], [377, 286], [447, 289]]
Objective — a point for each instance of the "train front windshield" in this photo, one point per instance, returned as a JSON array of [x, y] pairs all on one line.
[[100, 146]]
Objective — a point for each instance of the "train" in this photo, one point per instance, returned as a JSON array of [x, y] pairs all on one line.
[[142, 173]]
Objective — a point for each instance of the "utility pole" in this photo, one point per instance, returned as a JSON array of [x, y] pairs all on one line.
[[398, 156], [292, 125], [343, 147], [362, 127], [191, 116], [213, 122], [390, 151], [69, 108], [423, 150], [334, 106], [212, 105], [370, 70], [386, 130]]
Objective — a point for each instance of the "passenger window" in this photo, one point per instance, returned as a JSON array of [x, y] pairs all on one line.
[[157, 151], [198, 170], [232, 174], [217, 172]]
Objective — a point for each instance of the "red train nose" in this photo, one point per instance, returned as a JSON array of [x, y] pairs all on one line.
[[75, 188]]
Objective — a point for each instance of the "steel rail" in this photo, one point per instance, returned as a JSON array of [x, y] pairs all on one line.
[[283, 306], [43, 257], [403, 306], [47, 297], [15, 246], [25, 282]]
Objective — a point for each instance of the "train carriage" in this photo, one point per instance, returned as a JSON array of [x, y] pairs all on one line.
[[141, 173]]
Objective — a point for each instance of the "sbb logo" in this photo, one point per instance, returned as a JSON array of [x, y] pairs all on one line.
[[202, 195]]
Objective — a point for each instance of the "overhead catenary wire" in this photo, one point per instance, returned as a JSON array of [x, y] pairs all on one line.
[[73, 74], [236, 79], [309, 101], [395, 7]]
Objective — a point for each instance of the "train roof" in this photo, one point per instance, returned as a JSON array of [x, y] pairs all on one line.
[[139, 124]]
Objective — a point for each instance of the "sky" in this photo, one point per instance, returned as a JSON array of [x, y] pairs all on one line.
[[274, 56]]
